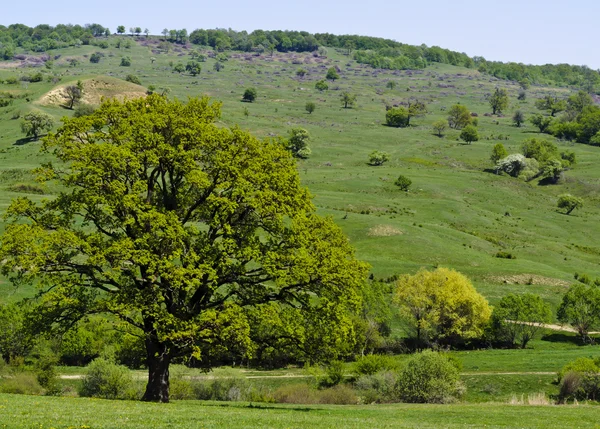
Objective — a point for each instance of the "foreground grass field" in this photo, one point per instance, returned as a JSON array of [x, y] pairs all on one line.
[[26, 412]]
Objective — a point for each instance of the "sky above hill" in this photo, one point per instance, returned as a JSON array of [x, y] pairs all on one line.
[[528, 31]]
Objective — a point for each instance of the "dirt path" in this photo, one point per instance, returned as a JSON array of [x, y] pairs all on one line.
[[551, 326]]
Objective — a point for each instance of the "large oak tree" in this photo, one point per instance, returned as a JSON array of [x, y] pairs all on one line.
[[188, 231]]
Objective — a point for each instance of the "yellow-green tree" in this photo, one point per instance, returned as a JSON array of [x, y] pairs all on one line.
[[186, 231], [441, 306]]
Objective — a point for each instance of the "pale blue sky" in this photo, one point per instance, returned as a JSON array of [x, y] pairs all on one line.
[[529, 31]]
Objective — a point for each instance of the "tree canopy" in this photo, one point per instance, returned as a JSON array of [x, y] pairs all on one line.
[[190, 233]]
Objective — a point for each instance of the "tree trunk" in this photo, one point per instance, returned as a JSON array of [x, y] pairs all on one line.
[[157, 389]]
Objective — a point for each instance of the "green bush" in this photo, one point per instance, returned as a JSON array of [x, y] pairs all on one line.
[[338, 395], [397, 117], [580, 380], [133, 79], [222, 389], [377, 158], [21, 383], [83, 110], [250, 95], [295, 394], [105, 379], [125, 62], [372, 364], [504, 255], [377, 388], [403, 183], [429, 377]]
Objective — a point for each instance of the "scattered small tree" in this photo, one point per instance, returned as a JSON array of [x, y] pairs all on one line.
[[469, 134], [403, 183], [321, 86], [499, 100], [193, 68], [522, 95], [378, 158], [125, 62], [301, 73], [133, 79], [332, 74], [310, 107], [35, 123], [121, 29], [517, 318], [73, 95], [580, 308], [498, 152], [459, 117], [95, 57], [569, 203], [218, 66], [518, 118], [397, 117], [249, 95], [297, 143], [542, 122], [440, 127], [348, 99], [552, 104], [179, 68], [390, 84]]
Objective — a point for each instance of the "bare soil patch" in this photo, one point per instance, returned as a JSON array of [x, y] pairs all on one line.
[[94, 90]]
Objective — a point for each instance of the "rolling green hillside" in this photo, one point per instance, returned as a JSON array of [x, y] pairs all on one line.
[[458, 213]]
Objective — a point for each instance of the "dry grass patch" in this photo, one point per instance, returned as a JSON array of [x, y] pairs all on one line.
[[528, 279], [383, 231]]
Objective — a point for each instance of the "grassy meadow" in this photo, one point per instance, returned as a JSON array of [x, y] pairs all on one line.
[[457, 214]]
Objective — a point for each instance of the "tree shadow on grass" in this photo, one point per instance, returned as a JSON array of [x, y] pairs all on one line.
[[263, 407], [24, 141], [563, 338]]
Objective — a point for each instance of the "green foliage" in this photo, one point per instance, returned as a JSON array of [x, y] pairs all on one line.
[[321, 86], [250, 95], [96, 57], [83, 110], [504, 255], [372, 364], [499, 100], [441, 305], [542, 122], [378, 158], [580, 380], [429, 377], [469, 134], [397, 117], [403, 183], [21, 383], [193, 68], [348, 99], [332, 74], [297, 143], [125, 62], [498, 152], [459, 116], [232, 237], [310, 107], [16, 340], [133, 79], [301, 73], [105, 379], [569, 203], [35, 123], [541, 150], [390, 84], [552, 104], [580, 308], [517, 318], [439, 127], [379, 387]]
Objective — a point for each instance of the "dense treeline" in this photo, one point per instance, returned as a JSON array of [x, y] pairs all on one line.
[[559, 74], [45, 37]]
